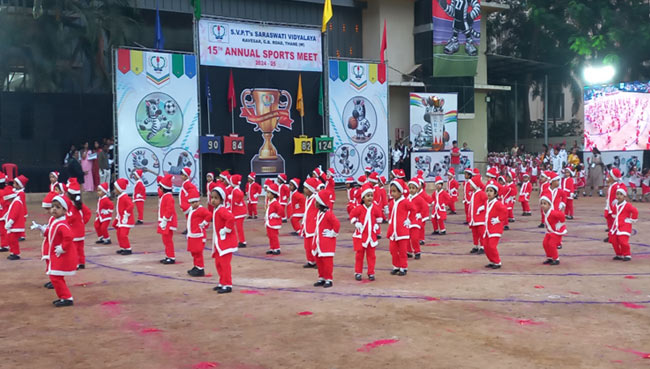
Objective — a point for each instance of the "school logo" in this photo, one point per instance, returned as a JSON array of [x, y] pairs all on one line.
[[219, 33], [358, 76], [158, 68]]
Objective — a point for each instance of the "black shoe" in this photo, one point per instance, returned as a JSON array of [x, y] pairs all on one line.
[[284, 220], [401, 273], [511, 220], [99, 241], [294, 233], [139, 222], [107, 242], [371, 277], [442, 233], [379, 237], [548, 261], [559, 247], [480, 251], [606, 240], [63, 303], [4, 249], [81, 266], [21, 239], [627, 258], [496, 266], [119, 251], [184, 232], [474, 250], [570, 217], [328, 284], [168, 261], [489, 265], [394, 272], [523, 214], [309, 265], [435, 233], [49, 286], [417, 256], [466, 222], [409, 255], [217, 288], [255, 217], [196, 272], [250, 217], [357, 277], [617, 257], [452, 212], [269, 252], [126, 252], [506, 228], [541, 225], [421, 242], [13, 257], [319, 283], [277, 252], [554, 262], [225, 290], [241, 245]]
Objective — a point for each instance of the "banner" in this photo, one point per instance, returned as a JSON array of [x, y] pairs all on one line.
[[434, 121], [260, 46], [358, 109], [623, 160], [456, 37], [435, 164], [156, 116]]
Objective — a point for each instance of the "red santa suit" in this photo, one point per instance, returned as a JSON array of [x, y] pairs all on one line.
[[611, 196], [77, 220], [352, 199], [399, 229], [467, 195], [324, 247], [273, 220], [297, 206], [554, 220], [568, 186], [197, 221], [477, 207], [364, 239], [439, 201], [14, 220], [124, 220], [186, 187], [224, 244], [452, 188], [139, 195], [62, 255], [509, 193], [625, 214], [283, 200], [4, 207], [380, 200], [22, 182], [543, 188], [308, 227], [524, 196], [417, 218], [209, 186], [496, 215], [253, 191], [238, 208], [103, 215], [167, 219]]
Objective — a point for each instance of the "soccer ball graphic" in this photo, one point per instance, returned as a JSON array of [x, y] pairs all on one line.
[[170, 107]]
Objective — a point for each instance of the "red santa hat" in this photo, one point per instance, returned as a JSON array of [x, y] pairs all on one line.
[[55, 174], [221, 192], [365, 189], [235, 180], [511, 174], [317, 171], [395, 173], [553, 176], [402, 174], [367, 169], [103, 187], [420, 173], [451, 172], [193, 195], [622, 189], [570, 170], [158, 179], [210, 174], [399, 184], [273, 188], [323, 177], [295, 182], [544, 174], [312, 184], [382, 180], [469, 171], [267, 182], [476, 183], [476, 172], [21, 180], [373, 177], [330, 172], [166, 182], [492, 172], [414, 181], [252, 175], [47, 201], [501, 178], [121, 184], [187, 171], [438, 180], [139, 172], [73, 186], [349, 180], [325, 198], [282, 177], [614, 173], [225, 175], [545, 197], [526, 175], [492, 184], [61, 201], [3, 177], [361, 180], [62, 187]]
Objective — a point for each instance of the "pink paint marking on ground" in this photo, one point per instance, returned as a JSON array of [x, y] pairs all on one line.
[[83, 284], [632, 305], [112, 307], [539, 286], [369, 346], [150, 330], [467, 271], [430, 298], [574, 292], [634, 292], [629, 277], [250, 292], [365, 281], [431, 244], [304, 313], [616, 361], [209, 275], [205, 365], [643, 355]]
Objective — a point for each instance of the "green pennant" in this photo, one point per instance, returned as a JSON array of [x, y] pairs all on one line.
[[343, 70], [320, 97], [197, 8], [177, 65]]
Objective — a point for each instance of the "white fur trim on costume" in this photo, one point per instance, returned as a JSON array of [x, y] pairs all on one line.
[[622, 190], [61, 201]]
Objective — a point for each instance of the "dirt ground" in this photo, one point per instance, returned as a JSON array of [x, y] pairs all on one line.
[[448, 312]]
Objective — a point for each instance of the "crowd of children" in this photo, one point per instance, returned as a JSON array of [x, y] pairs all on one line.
[[405, 206]]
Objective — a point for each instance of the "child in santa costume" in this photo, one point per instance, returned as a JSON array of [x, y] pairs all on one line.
[[224, 241], [324, 247], [103, 215], [308, 227], [62, 254], [477, 207], [253, 191], [439, 201], [615, 182], [124, 219], [283, 198], [78, 216], [452, 189], [54, 180], [14, 223], [238, 208], [524, 195], [365, 218], [379, 195], [496, 215], [568, 186], [645, 185], [417, 218], [534, 172], [19, 187], [167, 219], [273, 219], [625, 214], [510, 192], [210, 183], [139, 195], [296, 206], [46, 204], [186, 175], [544, 183], [4, 207], [351, 189], [198, 219], [467, 192], [554, 222], [399, 226]]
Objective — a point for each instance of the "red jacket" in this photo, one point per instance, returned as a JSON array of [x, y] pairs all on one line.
[[524, 191], [105, 208], [297, 204], [568, 186], [329, 185], [45, 246], [398, 220], [197, 221], [21, 193], [496, 215], [253, 191], [273, 217], [557, 196], [452, 188], [468, 190], [555, 222], [285, 192], [15, 216], [139, 191], [237, 205], [77, 220], [379, 197], [440, 200], [183, 195], [624, 215], [124, 214], [420, 212], [4, 204], [167, 213], [509, 195], [367, 219], [308, 227], [224, 240], [327, 228], [477, 207], [228, 202], [59, 234]]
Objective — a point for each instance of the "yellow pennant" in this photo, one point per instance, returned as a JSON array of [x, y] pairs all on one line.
[[136, 61], [372, 73]]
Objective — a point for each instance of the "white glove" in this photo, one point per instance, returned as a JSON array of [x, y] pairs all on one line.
[[125, 217], [34, 225], [375, 228], [223, 232], [494, 221], [58, 250], [380, 220], [386, 209], [407, 223], [358, 226], [163, 224], [9, 223], [203, 224], [329, 233], [418, 216]]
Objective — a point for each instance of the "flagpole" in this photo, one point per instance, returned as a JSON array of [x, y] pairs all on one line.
[[209, 103], [232, 119], [302, 125]]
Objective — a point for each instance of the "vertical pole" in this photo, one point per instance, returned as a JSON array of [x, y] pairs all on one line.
[[516, 118], [232, 119], [302, 125], [546, 109]]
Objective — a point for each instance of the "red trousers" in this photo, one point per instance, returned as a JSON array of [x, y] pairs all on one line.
[[438, 224], [296, 223], [60, 287], [551, 241], [168, 241], [224, 269], [569, 207], [81, 253], [525, 206], [414, 240], [283, 212], [360, 251], [252, 209], [325, 265], [511, 213], [610, 220], [101, 228], [398, 252], [239, 226], [621, 244], [467, 213], [198, 259], [307, 242], [452, 205], [4, 240], [491, 250], [477, 235], [123, 237], [274, 240], [140, 206], [14, 245]]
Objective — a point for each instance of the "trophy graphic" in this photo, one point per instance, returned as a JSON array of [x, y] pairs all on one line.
[[267, 109], [435, 118]]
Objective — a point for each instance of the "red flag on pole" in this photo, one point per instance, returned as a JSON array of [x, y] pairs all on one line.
[[232, 102], [383, 44]]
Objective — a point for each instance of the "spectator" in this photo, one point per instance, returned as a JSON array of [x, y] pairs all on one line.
[[595, 176], [68, 154], [465, 147], [406, 161], [104, 167], [74, 167], [93, 157], [455, 157], [573, 159]]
